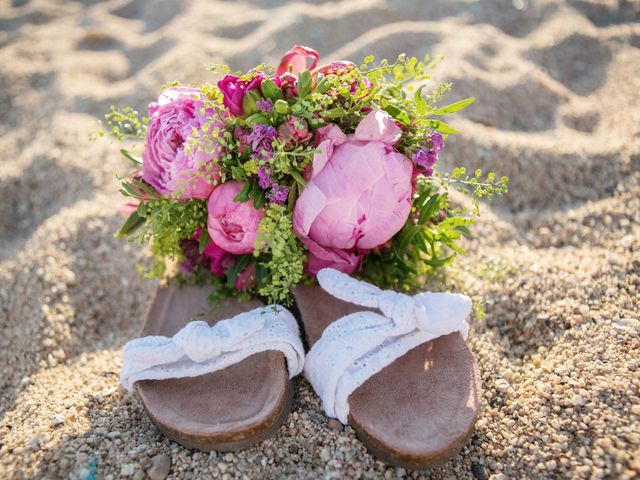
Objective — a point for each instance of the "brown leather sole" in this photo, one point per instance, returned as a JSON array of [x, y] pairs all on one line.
[[225, 410], [419, 411]]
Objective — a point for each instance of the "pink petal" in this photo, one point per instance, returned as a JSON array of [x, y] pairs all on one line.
[[378, 125], [295, 60]]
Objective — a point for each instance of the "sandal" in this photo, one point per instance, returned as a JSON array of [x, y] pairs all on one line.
[[405, 380], [220, 387]]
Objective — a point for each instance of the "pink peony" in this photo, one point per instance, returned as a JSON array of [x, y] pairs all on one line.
[[167, 166], [234, 89], [358, 195], [232, 225]]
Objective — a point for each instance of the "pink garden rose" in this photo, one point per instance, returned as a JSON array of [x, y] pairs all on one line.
[[233, 226], [234, 89], [167, 166], [358, 195]]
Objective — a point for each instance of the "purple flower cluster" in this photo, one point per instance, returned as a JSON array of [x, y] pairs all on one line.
[[276, 194], [260, 139], [265, 105], [264, 178], [426, 157]]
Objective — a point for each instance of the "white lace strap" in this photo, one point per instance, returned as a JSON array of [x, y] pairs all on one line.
[[357, 346], [199, 348]]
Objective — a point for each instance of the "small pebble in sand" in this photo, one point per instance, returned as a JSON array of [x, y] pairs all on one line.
[[160, 467], [127, 469], [58, 419], [502, 385]]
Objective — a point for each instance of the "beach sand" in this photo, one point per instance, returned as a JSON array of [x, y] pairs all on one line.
[[555, 263]]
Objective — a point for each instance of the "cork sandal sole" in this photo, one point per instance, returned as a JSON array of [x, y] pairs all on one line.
[[225, 410], [417, 412]]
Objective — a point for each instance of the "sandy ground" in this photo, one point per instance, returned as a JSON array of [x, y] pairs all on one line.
[[556, 262]]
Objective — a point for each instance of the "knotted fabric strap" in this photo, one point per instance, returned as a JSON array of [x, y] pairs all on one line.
[[199, 348], [357, 346]]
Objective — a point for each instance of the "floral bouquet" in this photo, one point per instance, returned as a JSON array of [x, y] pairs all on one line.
[[261, 180]]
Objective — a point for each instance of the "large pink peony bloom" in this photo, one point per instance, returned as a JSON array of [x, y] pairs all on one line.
[[358, 195], [233, 226], [167, 165]]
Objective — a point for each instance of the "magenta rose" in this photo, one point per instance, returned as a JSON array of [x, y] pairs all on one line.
[[234, 88], [233, 226], [358, 195], [219, 258], [167, 165]]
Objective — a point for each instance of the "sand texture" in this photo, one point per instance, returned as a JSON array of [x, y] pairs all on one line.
[[556, 262]]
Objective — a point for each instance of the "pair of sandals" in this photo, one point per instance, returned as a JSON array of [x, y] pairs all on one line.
[[397, 371]]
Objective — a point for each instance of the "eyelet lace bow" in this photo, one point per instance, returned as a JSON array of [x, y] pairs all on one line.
[[357, 346], [199, 348]]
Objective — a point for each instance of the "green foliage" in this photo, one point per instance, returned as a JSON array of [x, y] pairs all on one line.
[[125, 123], [427, 242], [280, 256], [166, 223], [476, 186]]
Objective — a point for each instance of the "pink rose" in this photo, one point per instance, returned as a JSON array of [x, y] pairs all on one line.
[[232, 225], [234, 89], [167, 166], [358, 195]]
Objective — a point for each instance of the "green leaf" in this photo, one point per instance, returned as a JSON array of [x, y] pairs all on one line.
[[128, 190], [293, 196], [439, 262], [243, 195], [429, 209], [464, 230], [421, 103], [242, 262], [238, 173], [304, 84], [132, 223], [146, 188], [454, 107], [204, 240], [298, 178], [334, 113], [323, 85], [442, 127], [262, 273], [137, 161], [258, 199], [399, 114]]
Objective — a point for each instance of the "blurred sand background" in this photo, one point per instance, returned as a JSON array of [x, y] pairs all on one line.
[[556, 262]]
